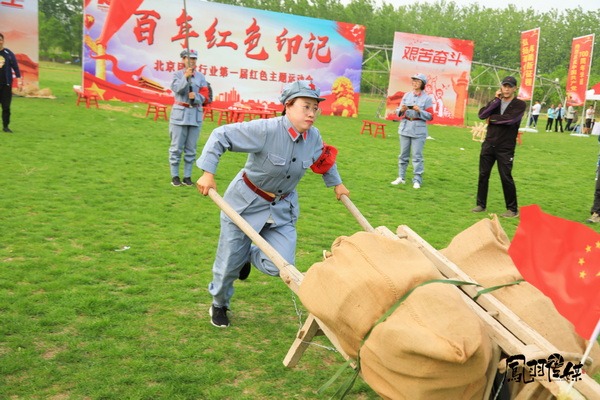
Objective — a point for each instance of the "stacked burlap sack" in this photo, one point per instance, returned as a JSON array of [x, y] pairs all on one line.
[[433, 346], [482, 252]]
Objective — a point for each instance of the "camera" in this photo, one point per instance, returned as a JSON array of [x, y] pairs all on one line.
[[409, 106]]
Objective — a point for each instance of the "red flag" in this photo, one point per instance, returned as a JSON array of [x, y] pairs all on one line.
[[118, 13], [562, 259]]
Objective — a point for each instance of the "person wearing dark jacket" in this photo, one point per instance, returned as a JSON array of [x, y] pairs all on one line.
[[8, 64], [595, 211], [503, 115]]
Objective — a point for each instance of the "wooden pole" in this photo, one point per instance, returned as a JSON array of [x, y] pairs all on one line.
[[357, 214], [288, 273]]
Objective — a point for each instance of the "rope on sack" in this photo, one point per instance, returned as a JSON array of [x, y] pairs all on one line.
[[491, 289]]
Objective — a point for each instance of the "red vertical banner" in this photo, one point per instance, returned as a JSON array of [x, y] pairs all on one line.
[[579, 69], [529, 51]]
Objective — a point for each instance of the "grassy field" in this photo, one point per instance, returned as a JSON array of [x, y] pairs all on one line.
[[104, 265]]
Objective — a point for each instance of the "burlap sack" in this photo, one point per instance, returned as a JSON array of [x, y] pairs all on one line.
[[482, 252], [432, 347]]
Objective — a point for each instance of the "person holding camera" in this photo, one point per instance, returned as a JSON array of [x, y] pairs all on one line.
[[416, 108], [504, 114]]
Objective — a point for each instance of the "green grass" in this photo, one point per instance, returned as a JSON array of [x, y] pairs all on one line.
[[79, 320]]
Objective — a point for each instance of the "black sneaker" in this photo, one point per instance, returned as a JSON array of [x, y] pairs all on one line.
[[218, 316], [176, 181], [188, 181], [7, 129], [245, 271]]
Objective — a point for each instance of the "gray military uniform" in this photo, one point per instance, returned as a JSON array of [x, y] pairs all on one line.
[[277, 160], [185, 122]]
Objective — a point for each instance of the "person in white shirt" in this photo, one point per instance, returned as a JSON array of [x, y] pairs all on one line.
[[570, 116], [535, 113], [589, 120]]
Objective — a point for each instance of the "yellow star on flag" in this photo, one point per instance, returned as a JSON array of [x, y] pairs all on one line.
[[569, 273], [96, 89]]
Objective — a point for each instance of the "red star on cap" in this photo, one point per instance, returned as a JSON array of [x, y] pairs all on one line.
[[311, 85]]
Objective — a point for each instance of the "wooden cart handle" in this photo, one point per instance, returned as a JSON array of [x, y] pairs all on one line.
[[289, 273], [356, 214]]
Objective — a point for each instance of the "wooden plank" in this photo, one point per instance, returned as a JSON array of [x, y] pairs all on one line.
[[305, 335]]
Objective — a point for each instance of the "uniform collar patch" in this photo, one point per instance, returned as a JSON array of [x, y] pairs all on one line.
[[294, 135]]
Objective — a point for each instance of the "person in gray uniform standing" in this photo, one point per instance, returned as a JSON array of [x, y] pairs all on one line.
[[280, 150], [191, 92], [415, 109]]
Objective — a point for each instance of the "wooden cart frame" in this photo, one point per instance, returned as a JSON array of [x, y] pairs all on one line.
[[505, 328]]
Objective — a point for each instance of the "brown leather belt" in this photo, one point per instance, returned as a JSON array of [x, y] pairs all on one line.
[[179, 103], [265, 195], [413, 119]]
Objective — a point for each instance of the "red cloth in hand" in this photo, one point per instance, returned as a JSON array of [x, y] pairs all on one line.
[[204, 92]]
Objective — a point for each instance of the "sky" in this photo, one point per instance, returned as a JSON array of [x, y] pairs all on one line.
[[539, 5]]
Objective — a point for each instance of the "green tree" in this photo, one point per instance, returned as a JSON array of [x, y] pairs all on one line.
[[60, 28], [62, 10], [52, 36]]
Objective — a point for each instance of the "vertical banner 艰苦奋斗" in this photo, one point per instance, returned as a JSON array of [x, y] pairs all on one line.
[[447, 65], [19, 25], [132, 48], [579, 70], [529, 54]]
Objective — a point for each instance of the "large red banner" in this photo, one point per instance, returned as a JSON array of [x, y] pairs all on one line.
[[579, 70], [529, 52], [447, 65], [132, 48], [19, 25]]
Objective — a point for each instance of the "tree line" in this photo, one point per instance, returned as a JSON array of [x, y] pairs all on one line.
[[496, 32]]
